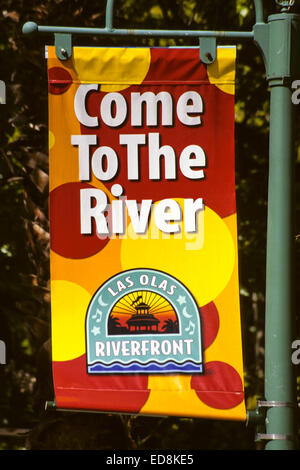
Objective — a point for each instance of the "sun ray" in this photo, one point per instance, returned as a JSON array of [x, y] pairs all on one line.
[[130, 309], [158, 303], [141, 312], [155, 301]]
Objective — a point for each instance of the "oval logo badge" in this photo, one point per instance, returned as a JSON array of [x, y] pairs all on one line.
[[143, 321]]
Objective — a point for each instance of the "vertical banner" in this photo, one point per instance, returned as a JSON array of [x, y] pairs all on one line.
[[144, 265]]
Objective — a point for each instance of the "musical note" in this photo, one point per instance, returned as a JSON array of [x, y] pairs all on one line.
[[190, 328], [98, 313]]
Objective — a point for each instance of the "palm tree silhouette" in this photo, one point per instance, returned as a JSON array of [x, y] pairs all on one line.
[[113, 325], [170, 326]]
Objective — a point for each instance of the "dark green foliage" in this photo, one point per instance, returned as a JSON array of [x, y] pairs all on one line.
[[24, 232]]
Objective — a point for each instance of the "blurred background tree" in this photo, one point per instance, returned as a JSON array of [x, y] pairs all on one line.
[[24, 226]]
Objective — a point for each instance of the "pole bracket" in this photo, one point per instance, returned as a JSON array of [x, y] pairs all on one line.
[[63, 45], [208, 50], [50, 405], [276, 40], [259, 415]]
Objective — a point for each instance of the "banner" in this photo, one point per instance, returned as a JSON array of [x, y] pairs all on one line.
[[144, 268]]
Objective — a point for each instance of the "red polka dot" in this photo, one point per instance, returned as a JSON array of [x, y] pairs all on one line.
[[76, 389], [210, 323], [59, 79], [65, 237], [220, 387]]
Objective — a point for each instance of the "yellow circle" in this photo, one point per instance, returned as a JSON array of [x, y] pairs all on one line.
[[222, 71], [202, 262], [69, 303], [115, 68]]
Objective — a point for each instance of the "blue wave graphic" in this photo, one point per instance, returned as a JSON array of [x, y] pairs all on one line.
[[187, 367]]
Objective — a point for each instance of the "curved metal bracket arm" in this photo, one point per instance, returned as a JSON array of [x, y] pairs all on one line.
[[258, 6], [109, 14], [259, 11], [63, 35]]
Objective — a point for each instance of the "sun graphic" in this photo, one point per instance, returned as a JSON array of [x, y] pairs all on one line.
[[142, 312]]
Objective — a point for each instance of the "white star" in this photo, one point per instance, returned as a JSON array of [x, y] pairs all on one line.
[[181, 299], [95, 330]]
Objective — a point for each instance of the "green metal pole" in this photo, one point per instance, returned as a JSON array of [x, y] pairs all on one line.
[[279, 377], [109, 14], [280, 386], [259, 11]]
